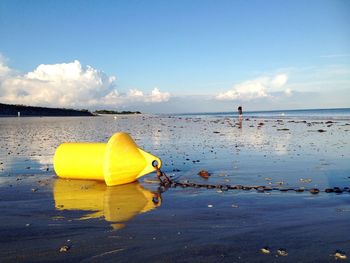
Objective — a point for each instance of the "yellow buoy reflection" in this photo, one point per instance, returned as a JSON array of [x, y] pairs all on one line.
[[115, 204]]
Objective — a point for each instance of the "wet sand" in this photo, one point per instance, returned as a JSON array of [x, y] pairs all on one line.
[[40, 213]]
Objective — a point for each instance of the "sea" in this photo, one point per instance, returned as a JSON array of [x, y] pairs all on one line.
[[332, 114], [45, 217]]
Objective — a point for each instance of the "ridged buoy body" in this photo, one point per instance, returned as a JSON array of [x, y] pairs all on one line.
[[119, 161]]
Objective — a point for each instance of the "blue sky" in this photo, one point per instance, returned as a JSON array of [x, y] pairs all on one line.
[[176, 56]]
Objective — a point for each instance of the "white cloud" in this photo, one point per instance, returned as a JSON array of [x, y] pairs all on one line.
[[279, 81], [135, 93], [254, 89], [68, 85], [157, 96], [288, 92]]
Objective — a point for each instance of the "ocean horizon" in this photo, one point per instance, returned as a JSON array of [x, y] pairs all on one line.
[[330, 113]]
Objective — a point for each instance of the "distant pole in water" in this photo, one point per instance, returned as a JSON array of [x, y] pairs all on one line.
[[19, 114]]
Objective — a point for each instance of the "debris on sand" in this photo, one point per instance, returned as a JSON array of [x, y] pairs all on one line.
[[204, 174]]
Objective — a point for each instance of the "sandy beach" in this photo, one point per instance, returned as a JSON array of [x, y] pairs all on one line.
[[44, 218]]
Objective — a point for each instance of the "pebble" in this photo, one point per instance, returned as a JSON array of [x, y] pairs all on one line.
[[282, 252], [64, 248], [265, 250], [210, 206], [339, 255]]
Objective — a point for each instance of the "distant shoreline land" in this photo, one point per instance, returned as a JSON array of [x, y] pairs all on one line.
[[115, 112], [11, 110]]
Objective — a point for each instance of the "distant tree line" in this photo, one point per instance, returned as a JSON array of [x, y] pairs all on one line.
[[116, 112], [13, 110], [23, 110]]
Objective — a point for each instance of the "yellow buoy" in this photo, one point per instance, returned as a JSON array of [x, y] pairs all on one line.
[[120, 161]]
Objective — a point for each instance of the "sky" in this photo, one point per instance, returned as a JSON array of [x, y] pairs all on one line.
[[176, 56]]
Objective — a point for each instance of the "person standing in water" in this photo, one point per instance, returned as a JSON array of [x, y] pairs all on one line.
[[240, 116], [240, 112]]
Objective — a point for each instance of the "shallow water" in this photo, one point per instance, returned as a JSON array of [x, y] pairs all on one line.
[[40, 213]]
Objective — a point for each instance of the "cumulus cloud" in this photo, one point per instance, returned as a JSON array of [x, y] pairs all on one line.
[[68, 85], [155, 96], [135, 93], [288, 92], [279, 81], [255, 89]]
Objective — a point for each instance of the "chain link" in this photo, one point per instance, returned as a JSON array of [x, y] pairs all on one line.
[[166, 182]]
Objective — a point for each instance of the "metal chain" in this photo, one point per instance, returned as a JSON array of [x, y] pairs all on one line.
[[163, 179], [166, 182]]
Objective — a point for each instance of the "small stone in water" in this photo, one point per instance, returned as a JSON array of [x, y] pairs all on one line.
[[339, 255], [64, 248], [282, 252], [265, 250]]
